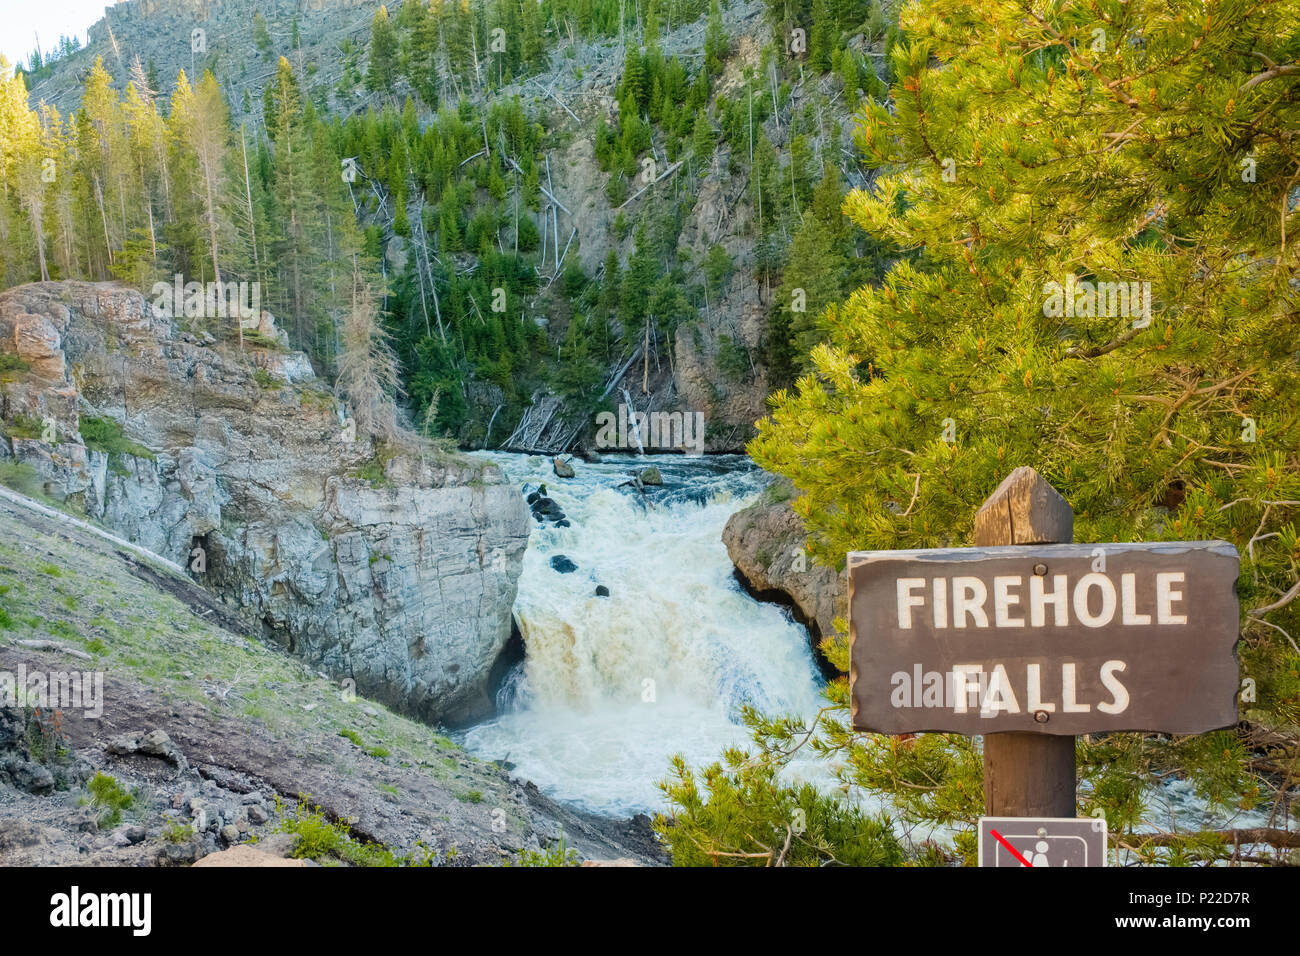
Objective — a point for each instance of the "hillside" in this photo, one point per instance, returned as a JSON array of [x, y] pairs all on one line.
[[207, 730], [557, 216]]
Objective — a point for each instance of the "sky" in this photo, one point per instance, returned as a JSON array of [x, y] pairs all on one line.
[[22, 20]]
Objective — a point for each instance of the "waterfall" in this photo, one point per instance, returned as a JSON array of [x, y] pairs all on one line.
[[612, 686]]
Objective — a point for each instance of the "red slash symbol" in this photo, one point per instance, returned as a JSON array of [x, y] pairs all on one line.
[[1014, 851]]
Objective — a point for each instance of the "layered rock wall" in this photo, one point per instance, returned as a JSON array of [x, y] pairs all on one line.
[[402, 580]]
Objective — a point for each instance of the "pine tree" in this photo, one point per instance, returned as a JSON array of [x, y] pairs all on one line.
[[822, 39], [367, 368], [717, 42], [1023, 158], [192, 253], [286, 124], [261, 35], [702, 141], [382, 68], [200, 127]]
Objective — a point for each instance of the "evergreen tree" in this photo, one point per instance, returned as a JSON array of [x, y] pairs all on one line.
[[261, 36], [717, 42], [1174, 425], [702, 140], [382, 68], [823, 37]]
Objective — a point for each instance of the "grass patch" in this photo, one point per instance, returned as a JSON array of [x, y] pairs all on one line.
[[105, 434], [257, 340], [319, 838], [352, 735], [471, 796], [265, 379], [374, 470], [9, 362], [22, 426], [22, 478]]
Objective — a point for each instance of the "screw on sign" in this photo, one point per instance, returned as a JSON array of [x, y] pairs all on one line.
[[1039, 842], [1029, 641]]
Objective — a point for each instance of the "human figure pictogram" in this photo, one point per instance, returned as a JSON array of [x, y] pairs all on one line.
[[1040, 854]]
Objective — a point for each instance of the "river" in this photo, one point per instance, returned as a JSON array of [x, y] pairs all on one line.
[[612, 686]]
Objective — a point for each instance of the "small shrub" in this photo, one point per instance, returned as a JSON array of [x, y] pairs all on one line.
[[43, 731], [265, 379], [557, 855], [110, 797], [319, 838], [373, 472], [177, 832]]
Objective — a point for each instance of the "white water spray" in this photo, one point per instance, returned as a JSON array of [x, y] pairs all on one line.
[[613, 686]]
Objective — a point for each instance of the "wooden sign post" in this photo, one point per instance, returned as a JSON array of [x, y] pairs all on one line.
[[1029, 640], [1025, 774]]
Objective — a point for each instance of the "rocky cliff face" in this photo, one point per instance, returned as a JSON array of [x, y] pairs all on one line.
[[766, 544], [394, 568]]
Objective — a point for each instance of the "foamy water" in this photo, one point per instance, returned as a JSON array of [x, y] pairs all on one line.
[[613, 686]]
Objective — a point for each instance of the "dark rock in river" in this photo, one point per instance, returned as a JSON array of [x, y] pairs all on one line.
[[602, 591], [548, 507], [562, 564], [562, 468], [563, 523], [651, 476]]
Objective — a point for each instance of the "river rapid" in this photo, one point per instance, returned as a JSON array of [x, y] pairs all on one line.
[[612, 686]]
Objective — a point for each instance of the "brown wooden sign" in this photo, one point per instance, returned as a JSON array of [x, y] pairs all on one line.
[[1046, 638]]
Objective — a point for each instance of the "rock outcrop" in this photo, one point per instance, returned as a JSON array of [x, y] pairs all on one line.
[[393, 567], [216, 737], [766, 544]]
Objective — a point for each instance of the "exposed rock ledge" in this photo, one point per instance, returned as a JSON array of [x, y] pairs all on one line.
[[403, 582], [766, 544]]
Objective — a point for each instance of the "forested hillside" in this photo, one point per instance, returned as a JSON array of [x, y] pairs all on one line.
[[539, 211]]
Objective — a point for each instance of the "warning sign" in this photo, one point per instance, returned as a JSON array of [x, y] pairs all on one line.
[[1036, 842]]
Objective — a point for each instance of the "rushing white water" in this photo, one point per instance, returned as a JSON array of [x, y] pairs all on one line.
[[612, 686]]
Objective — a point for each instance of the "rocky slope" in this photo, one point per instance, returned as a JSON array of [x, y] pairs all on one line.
[[766, 544], [392, 568], [213, 739], [569, 98]]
